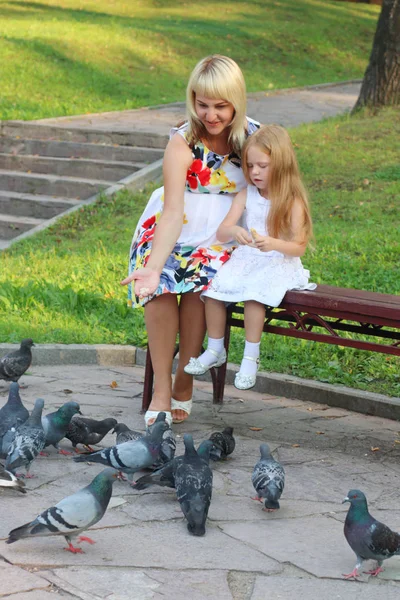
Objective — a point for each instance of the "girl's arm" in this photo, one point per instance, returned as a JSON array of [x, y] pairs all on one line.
[[296, 246], [228, 230], [177, 160]]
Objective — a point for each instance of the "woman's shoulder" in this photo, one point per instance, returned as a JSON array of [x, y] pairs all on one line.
[[181, 129], [252, 125]]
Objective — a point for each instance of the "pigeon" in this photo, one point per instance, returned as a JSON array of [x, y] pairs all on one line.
[[193, 484], [224, 443], [368, 538], [8, 479], [29, 440], [88, 431], [73, 514], [132, 456], [12, 414], [268, 479], [14, 364], [164, 476], [55, 424], [124, 434]]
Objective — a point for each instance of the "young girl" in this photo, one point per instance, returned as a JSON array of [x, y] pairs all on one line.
[[267, 261]]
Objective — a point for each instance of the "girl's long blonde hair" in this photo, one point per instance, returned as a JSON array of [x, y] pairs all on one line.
[[217, 76], [284, 181]]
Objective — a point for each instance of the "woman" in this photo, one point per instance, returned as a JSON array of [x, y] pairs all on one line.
[[174, 249]]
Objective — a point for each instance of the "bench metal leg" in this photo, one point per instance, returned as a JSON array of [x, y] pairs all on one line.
[[148, 383], [219, 375]]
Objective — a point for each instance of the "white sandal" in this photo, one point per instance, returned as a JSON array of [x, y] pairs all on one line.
[[195, 367], [151, 415], [185, 406], [246, 382]]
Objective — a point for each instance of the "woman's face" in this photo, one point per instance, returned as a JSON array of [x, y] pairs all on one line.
[[215, 114]]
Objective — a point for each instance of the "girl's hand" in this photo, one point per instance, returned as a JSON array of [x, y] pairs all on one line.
[[146, 281], [242, 236], [265, 243]]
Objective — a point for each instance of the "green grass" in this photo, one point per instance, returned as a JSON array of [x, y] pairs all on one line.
[[63, 284], [63, 57]]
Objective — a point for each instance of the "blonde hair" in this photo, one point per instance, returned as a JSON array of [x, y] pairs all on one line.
[[284, 181], [217, 76]]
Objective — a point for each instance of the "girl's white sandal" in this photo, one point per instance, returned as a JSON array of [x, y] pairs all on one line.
[[178, 405], [151, 415]]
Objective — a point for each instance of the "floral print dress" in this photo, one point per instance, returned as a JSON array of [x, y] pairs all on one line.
[[211, 183]]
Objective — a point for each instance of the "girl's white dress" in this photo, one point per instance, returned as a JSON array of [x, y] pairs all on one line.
[[251, 274]]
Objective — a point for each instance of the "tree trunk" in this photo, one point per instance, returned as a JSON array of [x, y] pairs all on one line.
[[381, 83]]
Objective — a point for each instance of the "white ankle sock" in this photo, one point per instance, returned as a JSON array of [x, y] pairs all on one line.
[[249, 367], [215, 344]]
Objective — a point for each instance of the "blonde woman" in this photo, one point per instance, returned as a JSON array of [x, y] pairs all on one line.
[[175, 252], [267, 261]]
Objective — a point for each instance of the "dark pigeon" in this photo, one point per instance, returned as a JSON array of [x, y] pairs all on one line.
[[55, 424], [368, 538], [14, 364], [268, 479], [8, 480], [88, 431], [124, 434], [73, 514], [224, 443], [133, 456], [164, 476], [29, 440], [193, 483], [12, 414]]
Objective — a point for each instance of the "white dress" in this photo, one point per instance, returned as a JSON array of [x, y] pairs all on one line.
[[251, 274]]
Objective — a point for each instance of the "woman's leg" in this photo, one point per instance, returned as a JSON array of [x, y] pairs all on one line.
[[192, 328], [162, 322]]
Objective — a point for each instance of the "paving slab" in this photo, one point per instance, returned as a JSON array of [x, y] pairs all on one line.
[[13, 580], [142, 542]]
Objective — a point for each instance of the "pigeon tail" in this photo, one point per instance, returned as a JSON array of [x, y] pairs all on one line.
[[20, 532]]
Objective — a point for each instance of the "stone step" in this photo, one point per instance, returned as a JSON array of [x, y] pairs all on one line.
[[24, 130], [71, 167], [109, 152], [29, 205], [11, 226], [51, 185]]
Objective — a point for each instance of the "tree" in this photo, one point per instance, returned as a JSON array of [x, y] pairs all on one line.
[[381, 83]]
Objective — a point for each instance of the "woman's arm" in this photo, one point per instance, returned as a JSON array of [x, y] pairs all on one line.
[[228, 230], [296, 246], [177, 160]]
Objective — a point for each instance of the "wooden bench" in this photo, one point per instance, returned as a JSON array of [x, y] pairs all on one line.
[[321, 315]]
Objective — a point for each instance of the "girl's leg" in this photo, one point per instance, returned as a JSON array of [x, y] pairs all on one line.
[[254, 316], [192, 328], [162, 322], [216, 321]]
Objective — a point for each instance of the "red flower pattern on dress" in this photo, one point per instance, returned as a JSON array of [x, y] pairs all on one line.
[[196, 173], [201, 256]]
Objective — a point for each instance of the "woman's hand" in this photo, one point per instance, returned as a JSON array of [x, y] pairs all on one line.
[[265, 243], [242, 236], [146, 281]]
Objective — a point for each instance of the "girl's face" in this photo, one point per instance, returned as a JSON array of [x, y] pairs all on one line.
[[215, 114], [258, 163]]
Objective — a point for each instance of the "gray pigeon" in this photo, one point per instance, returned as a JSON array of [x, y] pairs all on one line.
[[124, 434], [268, 479], [164, 476], [73, 514], [12, 414], [224, 443], [29, 440], [88, 431], [368, 538], [193, 484], [14, 364], [133, 456], [55, 424], [8, 479]]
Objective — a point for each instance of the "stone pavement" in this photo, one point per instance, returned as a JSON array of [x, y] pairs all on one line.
[[285, 107], [143, 549]]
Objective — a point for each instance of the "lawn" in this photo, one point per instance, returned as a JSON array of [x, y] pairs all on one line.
[[63, 284], [63, 57]]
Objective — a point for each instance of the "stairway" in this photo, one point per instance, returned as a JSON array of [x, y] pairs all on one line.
[[47, 171]]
